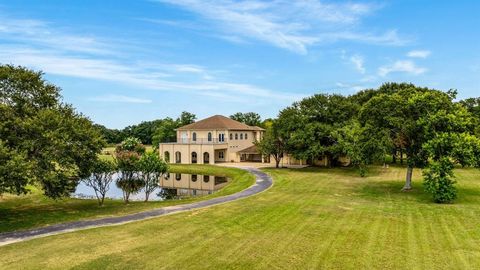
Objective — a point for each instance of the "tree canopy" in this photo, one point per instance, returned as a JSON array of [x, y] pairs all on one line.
[[249, 118], [309, 125], [48, 142]]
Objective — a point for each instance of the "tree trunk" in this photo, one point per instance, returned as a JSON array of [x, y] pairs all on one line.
[[401, 156], [277, 162], [394, 156], [408, 181]]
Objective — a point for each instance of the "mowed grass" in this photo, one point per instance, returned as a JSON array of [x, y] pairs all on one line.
[[311, 218], [35, 210]]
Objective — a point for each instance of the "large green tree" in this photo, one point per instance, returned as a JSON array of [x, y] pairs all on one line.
[[249, 118], [362, 144], [166, 131], [53, 145], [309, 126], [406, 112]]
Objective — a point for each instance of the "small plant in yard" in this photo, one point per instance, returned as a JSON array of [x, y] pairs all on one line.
[[101, 178]]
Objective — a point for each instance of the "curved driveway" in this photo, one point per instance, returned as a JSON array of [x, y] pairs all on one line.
[[263, 182]]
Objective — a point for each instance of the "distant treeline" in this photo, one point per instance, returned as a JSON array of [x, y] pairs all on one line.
[[163, 130]]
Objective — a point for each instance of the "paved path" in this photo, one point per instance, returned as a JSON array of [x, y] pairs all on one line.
[[263, 182]]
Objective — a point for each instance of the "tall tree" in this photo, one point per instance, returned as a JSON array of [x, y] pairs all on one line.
[[405, 112], [249, 118], [362, 144], [186, 118], [56, 145], [309, 126], [166, 132]]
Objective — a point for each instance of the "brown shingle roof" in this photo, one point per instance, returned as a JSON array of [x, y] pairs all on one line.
[[218, 122]]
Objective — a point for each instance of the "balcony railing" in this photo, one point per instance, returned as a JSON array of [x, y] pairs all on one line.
[[198, 141]]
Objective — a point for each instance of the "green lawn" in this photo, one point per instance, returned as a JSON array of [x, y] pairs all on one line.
[[310, 218], [34, 210]]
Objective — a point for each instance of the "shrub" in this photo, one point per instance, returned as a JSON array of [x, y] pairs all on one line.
[[439, 181]]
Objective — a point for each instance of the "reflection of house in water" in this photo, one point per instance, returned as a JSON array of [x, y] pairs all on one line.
[[192, 184]]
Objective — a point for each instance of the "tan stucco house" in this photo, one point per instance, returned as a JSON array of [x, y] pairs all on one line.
[[220, 139], [213, 140]]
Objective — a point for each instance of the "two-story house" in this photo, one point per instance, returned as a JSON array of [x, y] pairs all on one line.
[[213, 140]]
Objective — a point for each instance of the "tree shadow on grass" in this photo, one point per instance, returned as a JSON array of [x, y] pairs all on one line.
[[392, 190], [339, 171]]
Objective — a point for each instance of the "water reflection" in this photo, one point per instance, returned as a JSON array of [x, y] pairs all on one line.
[[170, 186], [189, 184]]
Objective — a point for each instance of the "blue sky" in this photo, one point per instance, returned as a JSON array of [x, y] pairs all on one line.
[[123, 62]]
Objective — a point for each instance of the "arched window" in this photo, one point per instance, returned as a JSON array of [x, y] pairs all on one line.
[[166, 176], [178, 176], [231, 136], [194, 157], [194, 178], [246, 136], [166, 156], [206, 178], [241, 136], [206, 158], [194, 136], [209, 136], [178, 157], [236, 136]]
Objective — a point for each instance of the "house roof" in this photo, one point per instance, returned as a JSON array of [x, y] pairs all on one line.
[[249, 150], [218, 122]]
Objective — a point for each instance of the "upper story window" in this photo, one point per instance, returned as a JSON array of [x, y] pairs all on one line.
[[241, 136], [194, 136], [221, 137], [236, 136], [246, 136], [231, 136], [209, 137]]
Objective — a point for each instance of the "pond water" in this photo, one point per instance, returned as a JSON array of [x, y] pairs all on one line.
[[170, 186]]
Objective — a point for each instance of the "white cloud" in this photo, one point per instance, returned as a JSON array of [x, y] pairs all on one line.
[[401, 66], [419, 54], [41, 33], [291, 25], [36, 45], [121, 99], [358, 62]]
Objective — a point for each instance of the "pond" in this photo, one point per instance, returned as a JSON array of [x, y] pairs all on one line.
[[170, 186]]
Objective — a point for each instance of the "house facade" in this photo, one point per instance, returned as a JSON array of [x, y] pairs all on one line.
[[219, 139], [213, 140]]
